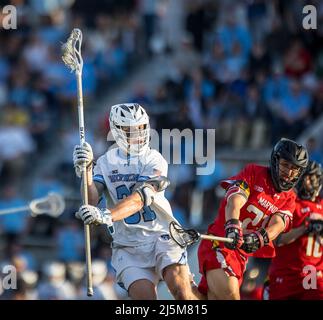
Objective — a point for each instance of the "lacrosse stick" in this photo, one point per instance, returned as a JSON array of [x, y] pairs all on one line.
[[71, 56], [186, 237], [53, 205]]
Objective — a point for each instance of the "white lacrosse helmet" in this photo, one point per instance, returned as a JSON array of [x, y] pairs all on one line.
[[130, 128]]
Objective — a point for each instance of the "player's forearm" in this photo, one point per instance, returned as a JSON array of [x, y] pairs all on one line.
[[275, 227], [291, 236], [127, 207], [234, 204]]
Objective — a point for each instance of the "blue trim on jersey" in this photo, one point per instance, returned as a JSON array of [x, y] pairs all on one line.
[[143, 178], [99, 178]]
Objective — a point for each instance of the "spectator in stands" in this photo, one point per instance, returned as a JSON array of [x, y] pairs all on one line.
[[17, 293], [297, 60], [258, 18], [149, 16], [103, 283], [70, 242], [235, 62], [16, 145], [259, 59], [233, 34], [54, 285], [40, 122], [256, 113], [216, 62], [314, 150], [36, 53], [22, 258], [275, 88], [16, 224], [47, 182], [317, 105], [295, 106]]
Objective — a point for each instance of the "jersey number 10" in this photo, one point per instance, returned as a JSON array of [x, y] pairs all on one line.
[[313, 246]]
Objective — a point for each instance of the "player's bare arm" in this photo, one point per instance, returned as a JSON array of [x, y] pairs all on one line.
[[291, 236], [123, 209], [234, 204], [257, 239], [143, 195], [275, 227], [233, 228], [127, 207], [308, 226]]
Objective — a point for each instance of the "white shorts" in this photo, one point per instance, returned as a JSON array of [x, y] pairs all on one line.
[[146, 261]]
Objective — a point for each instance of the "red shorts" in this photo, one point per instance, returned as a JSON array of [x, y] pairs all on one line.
[[231, 261], [289, 287]]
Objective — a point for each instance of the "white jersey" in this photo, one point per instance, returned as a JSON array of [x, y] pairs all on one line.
[[119, 173]]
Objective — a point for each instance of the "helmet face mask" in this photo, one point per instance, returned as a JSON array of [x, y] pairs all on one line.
[[287, 164], [310, 185], [288, 173], [130, 128]]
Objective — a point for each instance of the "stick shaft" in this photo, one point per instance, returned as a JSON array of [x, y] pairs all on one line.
[[14, 210], [80, 106], [210, 237], [89, 281]]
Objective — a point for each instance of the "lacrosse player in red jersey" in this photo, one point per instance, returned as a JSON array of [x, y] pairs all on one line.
[[296, 271], [257, 207]]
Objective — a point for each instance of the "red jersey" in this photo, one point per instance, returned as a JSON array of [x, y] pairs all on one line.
[[263, 202], [255, 294], [306, 250]]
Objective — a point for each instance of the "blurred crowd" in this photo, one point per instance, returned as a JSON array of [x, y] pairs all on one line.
[[246, 68], [37, 91], [38, 105]]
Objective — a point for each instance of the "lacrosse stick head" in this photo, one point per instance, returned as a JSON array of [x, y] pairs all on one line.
[[53, 205], [71, 51], [183, 237]]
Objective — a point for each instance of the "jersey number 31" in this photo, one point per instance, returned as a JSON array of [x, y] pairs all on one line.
[[147, 213]]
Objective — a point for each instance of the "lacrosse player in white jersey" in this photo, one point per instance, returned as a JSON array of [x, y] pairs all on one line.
[[133, 178]]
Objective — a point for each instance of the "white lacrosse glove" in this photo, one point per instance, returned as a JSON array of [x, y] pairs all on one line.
[[93, 215], [82, 154]]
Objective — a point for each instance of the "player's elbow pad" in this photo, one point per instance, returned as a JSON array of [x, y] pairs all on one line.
[[237, 187], [147, 194], [287, 219], [147, 189]]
